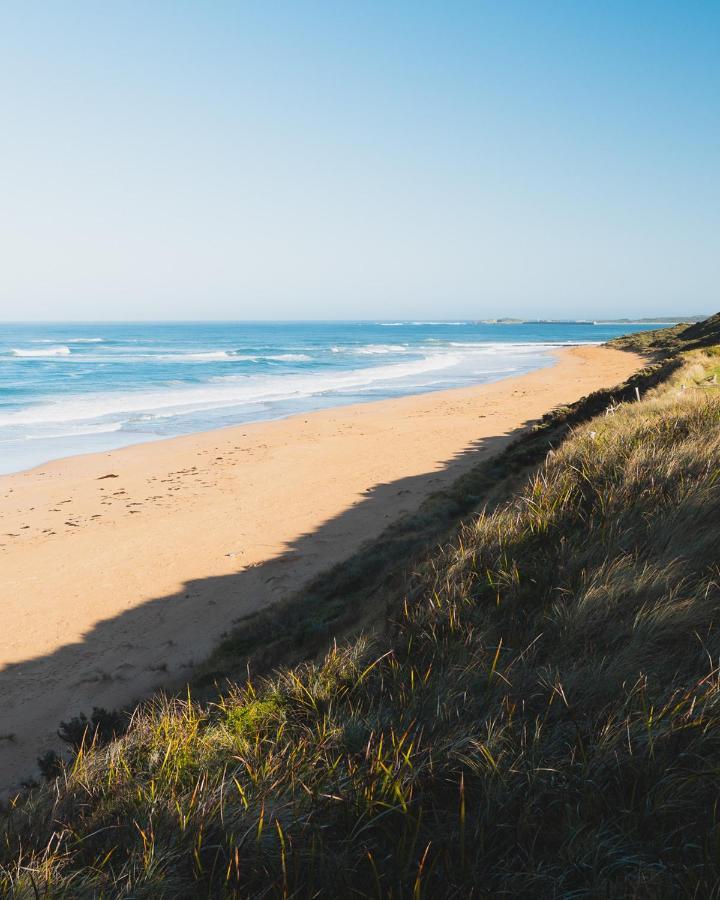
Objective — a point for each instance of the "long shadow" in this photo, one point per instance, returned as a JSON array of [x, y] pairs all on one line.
[[158, 643]]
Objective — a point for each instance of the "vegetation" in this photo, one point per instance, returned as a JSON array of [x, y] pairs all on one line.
[[665, 342], [536, 712]]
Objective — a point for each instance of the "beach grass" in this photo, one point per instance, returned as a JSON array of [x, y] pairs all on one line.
[[534, 710]]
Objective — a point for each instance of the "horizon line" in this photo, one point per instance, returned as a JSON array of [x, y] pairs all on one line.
[[461, 320]]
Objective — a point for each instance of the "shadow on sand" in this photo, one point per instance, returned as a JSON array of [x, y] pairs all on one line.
[[158, 643]]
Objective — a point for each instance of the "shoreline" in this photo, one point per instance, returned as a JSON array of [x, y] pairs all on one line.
[[89, 444], [123, 568], [151, 438]]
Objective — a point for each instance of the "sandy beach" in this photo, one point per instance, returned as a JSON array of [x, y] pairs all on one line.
[[121, 570]]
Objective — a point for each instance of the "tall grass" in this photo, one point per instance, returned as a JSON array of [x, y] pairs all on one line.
[[540, 717]]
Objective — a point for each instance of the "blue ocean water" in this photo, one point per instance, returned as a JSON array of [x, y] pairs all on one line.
[[67, 389]]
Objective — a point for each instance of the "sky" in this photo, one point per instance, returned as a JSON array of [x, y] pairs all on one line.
[[307, 160]]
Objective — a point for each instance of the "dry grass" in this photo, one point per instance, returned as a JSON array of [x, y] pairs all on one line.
[[540, 720]]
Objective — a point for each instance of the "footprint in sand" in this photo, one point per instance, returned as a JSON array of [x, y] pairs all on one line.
[[157, 667], [95, 677]]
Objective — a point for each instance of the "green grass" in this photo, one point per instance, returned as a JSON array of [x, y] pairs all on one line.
[[664, 342], [538, 714], [659, 341]]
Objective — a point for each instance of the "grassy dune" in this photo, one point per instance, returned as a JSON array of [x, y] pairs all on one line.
[[536, 712], [678, 338]]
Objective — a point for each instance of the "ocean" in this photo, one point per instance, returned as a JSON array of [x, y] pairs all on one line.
[[77, 388]]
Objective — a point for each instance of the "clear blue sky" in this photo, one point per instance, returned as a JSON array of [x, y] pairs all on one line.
[[341, 160]]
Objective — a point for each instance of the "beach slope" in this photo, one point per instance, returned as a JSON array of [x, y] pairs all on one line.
[[122, 570]]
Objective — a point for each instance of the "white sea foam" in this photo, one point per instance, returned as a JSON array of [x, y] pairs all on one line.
[[520, 346], [51, 351], [80, 340], [374, 349], [380, 349], [210, 355], [207, 356], [74, 430], [220, 392], [240, 390]]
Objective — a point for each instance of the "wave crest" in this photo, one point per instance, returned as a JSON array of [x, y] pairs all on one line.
[[49, 352]]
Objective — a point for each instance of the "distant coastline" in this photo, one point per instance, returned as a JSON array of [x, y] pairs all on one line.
[[658, 320]]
